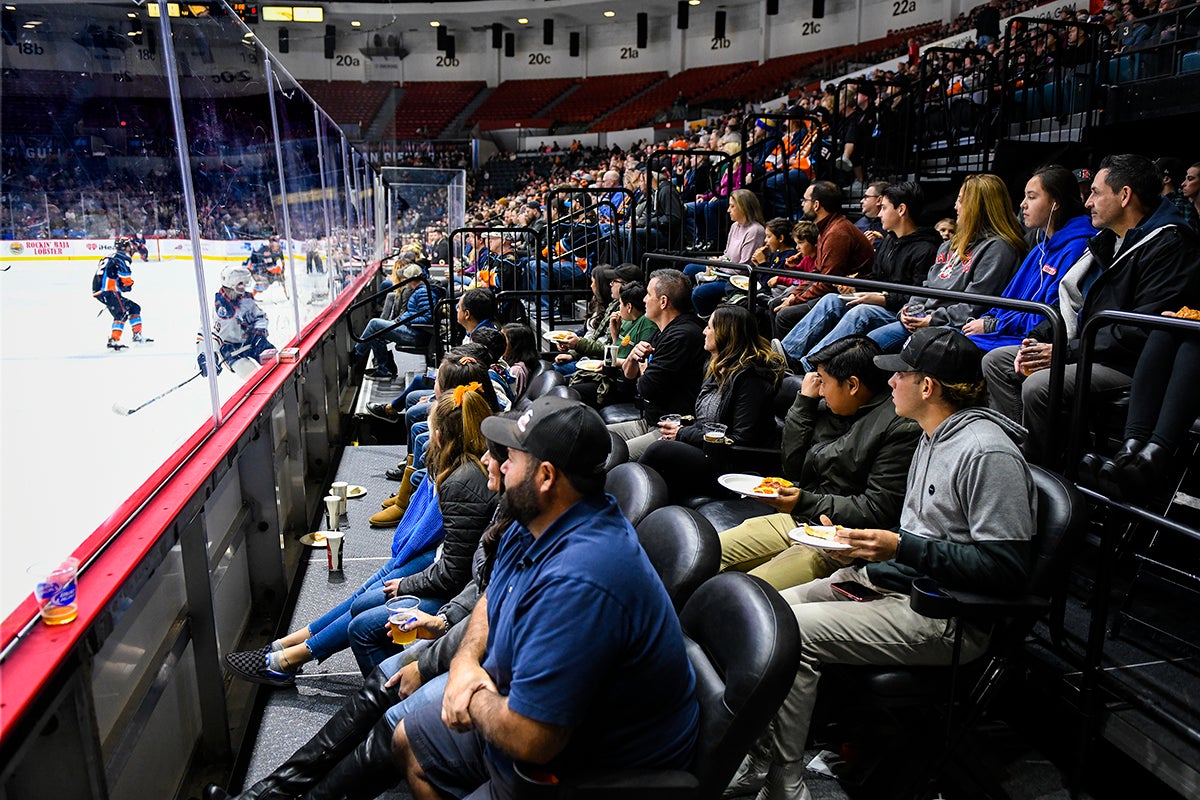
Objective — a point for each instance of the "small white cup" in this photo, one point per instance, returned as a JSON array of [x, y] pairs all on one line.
[[335, 550], [342, 490], [333, 511]]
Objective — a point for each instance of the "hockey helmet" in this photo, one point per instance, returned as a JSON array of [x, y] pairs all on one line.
[[235, 277], [122, 243]]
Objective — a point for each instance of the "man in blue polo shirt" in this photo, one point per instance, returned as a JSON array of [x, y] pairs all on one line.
[[574, 657]]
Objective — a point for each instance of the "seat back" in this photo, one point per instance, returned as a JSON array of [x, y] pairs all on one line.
[[744, 645], [1060, 513], [542, 383], [683, 547], [618, 452], [638, 490], [562, 391]]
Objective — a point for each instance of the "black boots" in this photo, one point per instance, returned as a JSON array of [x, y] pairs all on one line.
[[366, 773], [322, 753], [1135, 471]]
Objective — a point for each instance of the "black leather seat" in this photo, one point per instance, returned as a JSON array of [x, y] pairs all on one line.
[[638, 490], [726, 514], [743, 643], [562, 391], [684, 549], [539, 385], [618, 453], [620, 412]]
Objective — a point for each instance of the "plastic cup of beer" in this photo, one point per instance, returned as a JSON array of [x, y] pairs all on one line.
[[55, 590], [333, 512], [714, 432], [400, 611]]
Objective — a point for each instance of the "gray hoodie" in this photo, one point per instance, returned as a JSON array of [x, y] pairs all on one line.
[[986, 269], [969, 508]]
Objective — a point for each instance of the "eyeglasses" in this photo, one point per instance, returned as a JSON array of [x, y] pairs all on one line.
[[806, 200], [870, 197]]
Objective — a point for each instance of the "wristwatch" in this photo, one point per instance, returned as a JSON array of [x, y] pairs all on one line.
[[445, 621]]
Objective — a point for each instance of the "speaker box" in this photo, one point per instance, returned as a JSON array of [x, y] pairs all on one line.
[[443, 33], [548, 32], [497, 36], [772, 8], [818, 9], [681, 15], [330, 40], [450, 51], [643, 29], [574, 39], [283, 40], [510, 45], [719, 25]]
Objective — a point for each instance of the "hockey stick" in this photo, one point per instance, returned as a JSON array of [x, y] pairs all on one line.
[[123, 411]]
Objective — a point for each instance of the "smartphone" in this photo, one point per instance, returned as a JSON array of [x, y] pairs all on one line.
[[855, 591]]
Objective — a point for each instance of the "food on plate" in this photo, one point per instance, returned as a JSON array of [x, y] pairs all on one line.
[[771, 486], [318, 537], [828, 532], [1188, 313]]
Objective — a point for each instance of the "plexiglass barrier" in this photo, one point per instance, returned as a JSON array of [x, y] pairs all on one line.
[[99, 373]]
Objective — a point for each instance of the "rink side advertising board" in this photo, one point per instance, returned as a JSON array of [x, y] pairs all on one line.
[[12, 250]]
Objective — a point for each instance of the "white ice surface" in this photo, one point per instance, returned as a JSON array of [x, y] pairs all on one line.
[[66, 459]]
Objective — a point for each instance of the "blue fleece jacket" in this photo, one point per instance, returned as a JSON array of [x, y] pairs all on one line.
[[1037, 280]]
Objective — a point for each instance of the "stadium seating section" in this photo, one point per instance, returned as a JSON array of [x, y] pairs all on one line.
[[427, 107], [349, 102]]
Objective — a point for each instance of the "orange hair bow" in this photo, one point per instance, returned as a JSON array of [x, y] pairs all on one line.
[[461, 391]]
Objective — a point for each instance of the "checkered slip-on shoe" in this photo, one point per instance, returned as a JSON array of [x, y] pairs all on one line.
[[251, 665]]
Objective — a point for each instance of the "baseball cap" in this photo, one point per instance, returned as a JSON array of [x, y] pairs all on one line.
[[567, 433], [411, 272], [942, 353], [1083, 175]]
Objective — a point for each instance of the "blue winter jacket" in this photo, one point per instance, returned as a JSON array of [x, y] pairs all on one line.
[[1037, 280]]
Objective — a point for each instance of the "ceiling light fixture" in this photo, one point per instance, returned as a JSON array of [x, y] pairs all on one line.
[[355, 23], [522, 20], [610, 14], [433, 23]]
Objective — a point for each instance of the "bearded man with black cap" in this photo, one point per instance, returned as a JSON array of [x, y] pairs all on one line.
[[574, 656], [967, 521]]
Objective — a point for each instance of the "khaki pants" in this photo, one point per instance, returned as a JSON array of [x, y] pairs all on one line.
[[837, 630], [637, 434], [761, 546]]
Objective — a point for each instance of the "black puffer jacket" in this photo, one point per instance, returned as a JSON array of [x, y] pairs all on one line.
[[467, 505]]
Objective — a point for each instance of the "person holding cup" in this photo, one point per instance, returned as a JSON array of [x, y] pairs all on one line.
[[735, 399], [431, 551]]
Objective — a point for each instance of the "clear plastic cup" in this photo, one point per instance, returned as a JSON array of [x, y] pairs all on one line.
[[55, 590], [400, 610]]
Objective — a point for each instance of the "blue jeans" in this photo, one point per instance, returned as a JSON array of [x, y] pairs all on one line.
[[780, 187], [890, 337], [430, 692], [369, 638], [330, 632], [554, 275], [707, 296], [419, 383], [403, 336], [828, 321]]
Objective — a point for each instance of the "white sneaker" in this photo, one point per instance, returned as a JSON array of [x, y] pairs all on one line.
[[785, 782]]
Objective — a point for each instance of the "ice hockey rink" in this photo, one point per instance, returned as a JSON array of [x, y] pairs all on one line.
[[67, 460]]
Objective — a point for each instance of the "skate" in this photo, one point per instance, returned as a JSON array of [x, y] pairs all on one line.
[[140, 339], [113, 344]]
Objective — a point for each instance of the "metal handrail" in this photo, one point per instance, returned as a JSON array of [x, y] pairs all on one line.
[[1057, 326], [452, 286]]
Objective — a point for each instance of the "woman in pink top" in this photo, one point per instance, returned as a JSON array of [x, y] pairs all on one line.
[[746, 235]]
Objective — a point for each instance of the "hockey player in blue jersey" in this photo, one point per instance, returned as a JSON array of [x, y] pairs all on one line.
[[240, 326], [110, 285]]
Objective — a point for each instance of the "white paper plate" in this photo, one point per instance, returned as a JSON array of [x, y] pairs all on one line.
[[798, 535], [354, 491], [740, 282], [556, 336], [590, 364], [744, 484], [308, 540]]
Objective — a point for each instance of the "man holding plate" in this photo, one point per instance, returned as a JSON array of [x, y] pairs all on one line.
[[965, 523]]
